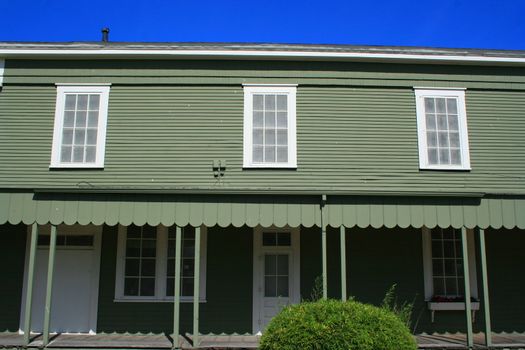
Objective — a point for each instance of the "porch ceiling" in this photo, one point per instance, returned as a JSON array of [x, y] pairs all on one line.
[[251, 210]]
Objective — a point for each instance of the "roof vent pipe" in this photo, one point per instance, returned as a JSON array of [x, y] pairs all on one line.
[[105, 35]]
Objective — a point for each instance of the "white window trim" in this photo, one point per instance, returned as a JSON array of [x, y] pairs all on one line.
[[2, 68], [291, 91], [427, 263], [160, 269], [459, 93], [62, 90]]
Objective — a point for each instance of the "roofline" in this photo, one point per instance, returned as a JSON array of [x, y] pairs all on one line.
[[305, 55]]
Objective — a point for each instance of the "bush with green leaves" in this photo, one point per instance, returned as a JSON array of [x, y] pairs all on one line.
[[336, 325]]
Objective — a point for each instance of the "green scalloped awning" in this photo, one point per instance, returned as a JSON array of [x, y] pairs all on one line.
[[252, 210]]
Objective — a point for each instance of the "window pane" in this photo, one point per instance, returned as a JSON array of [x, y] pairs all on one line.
[[269, 154], [282, 286], [94, 102], [132, 267], [149, 231], [67, 137], [270, 286], [269, 137], [171, 267], [188, 267], [282, 154], [443, 139], [440, 105], [147, 286], [93, 119], [71, 101], [269, 238], [454, 139], [282, 103], [258, 119], [452, 106], [432, 156], [284, 239], [450, 267], [133, 248], [448, 249], [269, 119], [65, 154], [91, 137], [455, 156], [82, 102], [429, 105], [451, 285], [81, 119], [170, 286], [269, 102], [257, 154], [257, 136], [148, 248], [69, 119], [258, 102], [78, 154], [131, 286], [282, 265], [453, 122], [187, 287], [134, 231], [442, 122], [270, 265], [431, 121], [282, 137], [444, 156], [282, 119], [439, 286], [431, 139], [437, 267], [80, 136], [437, 249], [148, 267]]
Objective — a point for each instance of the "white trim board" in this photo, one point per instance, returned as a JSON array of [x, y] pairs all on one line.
[[264, 54], [2, 70]]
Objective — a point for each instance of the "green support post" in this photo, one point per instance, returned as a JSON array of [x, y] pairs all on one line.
[[176, 292], [29, 289], [324, 247], [343, 263], [466, 276], [486, 304], [196, 287], [49, 284]]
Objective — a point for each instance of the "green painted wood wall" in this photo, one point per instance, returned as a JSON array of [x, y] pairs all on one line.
[[12, 253], [356, 126]]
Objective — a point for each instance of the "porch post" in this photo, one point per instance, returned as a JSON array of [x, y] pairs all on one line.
[[486, 305], [176, 291], [49, 284], [29, 284], [323, 247], [196, 286], [343, 263], [466, 276]]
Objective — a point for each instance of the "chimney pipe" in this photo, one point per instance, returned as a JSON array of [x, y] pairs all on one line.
[[105, 35]]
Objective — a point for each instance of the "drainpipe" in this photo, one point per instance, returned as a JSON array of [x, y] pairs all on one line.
[[324, 248]]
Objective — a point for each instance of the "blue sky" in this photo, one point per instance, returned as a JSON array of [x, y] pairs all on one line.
[[498, 24]]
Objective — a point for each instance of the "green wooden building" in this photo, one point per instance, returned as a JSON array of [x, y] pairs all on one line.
[[190, 189]]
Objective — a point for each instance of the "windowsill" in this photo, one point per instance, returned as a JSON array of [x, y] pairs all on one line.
[[154, 300], [451, 305], [447, 168], [75, 166]]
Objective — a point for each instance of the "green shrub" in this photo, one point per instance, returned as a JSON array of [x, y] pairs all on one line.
[[334, 325]]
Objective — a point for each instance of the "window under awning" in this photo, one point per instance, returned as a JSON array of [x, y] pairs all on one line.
[[254, 210]]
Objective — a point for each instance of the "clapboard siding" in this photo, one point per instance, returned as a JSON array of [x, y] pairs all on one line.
[[350, 137]]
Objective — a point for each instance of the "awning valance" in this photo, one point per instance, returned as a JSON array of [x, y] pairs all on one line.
[[253, 210]]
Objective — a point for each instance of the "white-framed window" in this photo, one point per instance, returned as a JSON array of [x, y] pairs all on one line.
[[443, 264], [79, 136], [270, 126], [442, 129], [146, 263]]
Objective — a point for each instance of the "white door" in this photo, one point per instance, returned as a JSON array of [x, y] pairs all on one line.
[[75, 284], [276, 274]]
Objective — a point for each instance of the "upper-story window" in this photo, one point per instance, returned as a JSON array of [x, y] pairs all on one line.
[[442, 129], [269, 126], [80, 126]]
